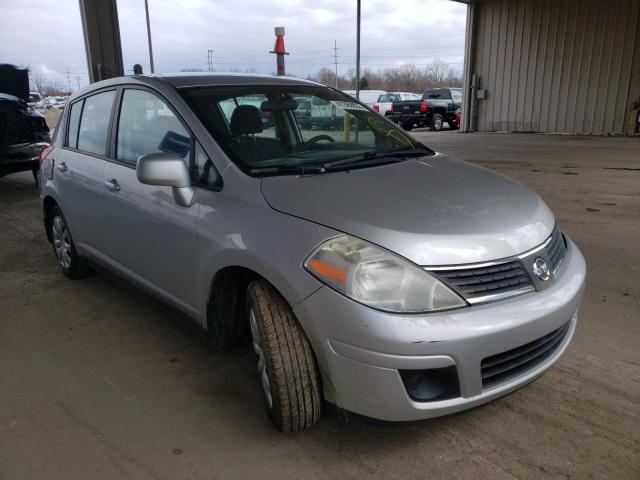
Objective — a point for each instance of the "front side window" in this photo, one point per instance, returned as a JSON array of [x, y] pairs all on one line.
[[94, 123], [280, 127], [147, 125]]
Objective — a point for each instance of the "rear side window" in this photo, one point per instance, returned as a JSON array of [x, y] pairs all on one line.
[[74, 122], [388, 98], [147, 125], [439, 93], [94, 123]]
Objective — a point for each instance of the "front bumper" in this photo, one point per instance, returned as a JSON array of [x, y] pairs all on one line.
[[361, 350]]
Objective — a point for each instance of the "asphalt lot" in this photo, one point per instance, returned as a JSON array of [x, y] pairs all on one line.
[[97, 382]]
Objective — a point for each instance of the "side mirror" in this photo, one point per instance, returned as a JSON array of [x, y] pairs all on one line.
[[169, 170]]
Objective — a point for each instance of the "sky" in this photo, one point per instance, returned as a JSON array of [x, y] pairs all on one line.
[[46, 35]]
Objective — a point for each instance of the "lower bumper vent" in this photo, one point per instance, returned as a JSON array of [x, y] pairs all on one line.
[[504, 366]]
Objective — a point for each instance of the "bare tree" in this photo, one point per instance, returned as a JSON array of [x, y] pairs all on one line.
[[40, 82], [405, 78]]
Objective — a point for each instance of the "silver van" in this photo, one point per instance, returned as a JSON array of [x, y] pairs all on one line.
[[368, 270]]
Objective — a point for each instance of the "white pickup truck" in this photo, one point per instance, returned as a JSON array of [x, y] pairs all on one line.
[[383, 105], [368, 97]]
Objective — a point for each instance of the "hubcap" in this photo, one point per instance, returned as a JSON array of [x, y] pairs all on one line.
[[262, 366], [61, 242], [438, 123]]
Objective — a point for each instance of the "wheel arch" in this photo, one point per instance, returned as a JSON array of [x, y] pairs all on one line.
[[48, 203], [226, 320]]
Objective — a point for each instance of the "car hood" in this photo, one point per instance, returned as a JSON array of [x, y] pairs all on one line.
[[432, 210]]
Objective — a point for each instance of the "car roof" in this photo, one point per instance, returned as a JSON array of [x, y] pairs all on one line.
[[180, 80], [196, 79]]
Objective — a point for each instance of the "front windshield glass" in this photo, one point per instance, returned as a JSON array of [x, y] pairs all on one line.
[[262, 127]]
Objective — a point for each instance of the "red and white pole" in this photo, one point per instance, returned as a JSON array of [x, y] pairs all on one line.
[[279, 50]]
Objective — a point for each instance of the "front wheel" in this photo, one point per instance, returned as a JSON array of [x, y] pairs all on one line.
[[286, 365]]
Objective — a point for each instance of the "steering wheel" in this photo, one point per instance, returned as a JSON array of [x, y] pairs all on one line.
[[317, 138]]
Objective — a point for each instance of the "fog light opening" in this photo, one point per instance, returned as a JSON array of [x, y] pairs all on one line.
[[431, 385]]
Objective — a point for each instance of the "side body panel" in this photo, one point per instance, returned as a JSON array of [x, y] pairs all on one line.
[[238, 228], [151, 235], [77, 179]]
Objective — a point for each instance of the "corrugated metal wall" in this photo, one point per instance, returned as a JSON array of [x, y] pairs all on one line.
[[556, 65]]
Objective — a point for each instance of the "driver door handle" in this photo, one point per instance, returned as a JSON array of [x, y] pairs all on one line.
[[112, 185], [62, 167]]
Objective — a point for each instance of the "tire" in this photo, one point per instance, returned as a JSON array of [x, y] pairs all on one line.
[[406, 126], [286, 364], [436, 122], [64, 249]]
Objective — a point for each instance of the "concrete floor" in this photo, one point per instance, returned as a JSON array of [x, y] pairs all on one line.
[[98, 382]]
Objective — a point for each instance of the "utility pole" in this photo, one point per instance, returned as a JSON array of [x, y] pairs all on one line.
[[68, 79], [78, 79], [146, 9], [335, 58], [358, 55], [210, 59], [358, 65]]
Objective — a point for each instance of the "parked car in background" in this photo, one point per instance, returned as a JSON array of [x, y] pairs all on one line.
[[24, 133], [34, 99], [437, 106], [383, 105], [368, 97]]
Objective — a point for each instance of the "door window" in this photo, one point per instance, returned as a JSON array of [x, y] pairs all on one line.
[[147, 125], [94, 123], [74, 122]]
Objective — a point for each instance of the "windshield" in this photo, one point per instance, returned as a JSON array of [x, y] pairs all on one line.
[[293, 126]]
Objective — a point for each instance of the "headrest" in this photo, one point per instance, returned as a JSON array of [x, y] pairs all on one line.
[[245, 120]]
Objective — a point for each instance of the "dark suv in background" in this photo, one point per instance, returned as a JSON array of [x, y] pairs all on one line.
[[24, 133], [437, 106]]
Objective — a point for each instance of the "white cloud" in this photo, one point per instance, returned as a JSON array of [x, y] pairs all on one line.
[[48, 33]]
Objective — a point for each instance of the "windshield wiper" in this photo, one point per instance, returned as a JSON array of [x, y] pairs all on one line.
[[301, 169], [375, 157]]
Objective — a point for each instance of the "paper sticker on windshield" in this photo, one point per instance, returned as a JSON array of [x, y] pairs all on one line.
[[347, 105]]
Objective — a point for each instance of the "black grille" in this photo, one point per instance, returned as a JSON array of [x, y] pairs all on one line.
[[504, 366], [556, 249], [475, 283]]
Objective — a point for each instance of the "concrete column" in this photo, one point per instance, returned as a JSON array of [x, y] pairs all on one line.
[[101, 39]]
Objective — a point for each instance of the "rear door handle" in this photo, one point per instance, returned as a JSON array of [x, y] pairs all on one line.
[[112, 185], [62, 167]]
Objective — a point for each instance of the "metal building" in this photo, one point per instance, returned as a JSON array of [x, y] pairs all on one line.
[[570, 66]]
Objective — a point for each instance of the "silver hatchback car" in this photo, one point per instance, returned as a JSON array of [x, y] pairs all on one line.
[[368, 270]]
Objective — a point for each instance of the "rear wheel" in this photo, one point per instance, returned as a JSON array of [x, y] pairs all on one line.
[[436, 122], [286, 365], [63, 247]]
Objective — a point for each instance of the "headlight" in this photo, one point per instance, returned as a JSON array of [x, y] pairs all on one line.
[[374, 277]]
